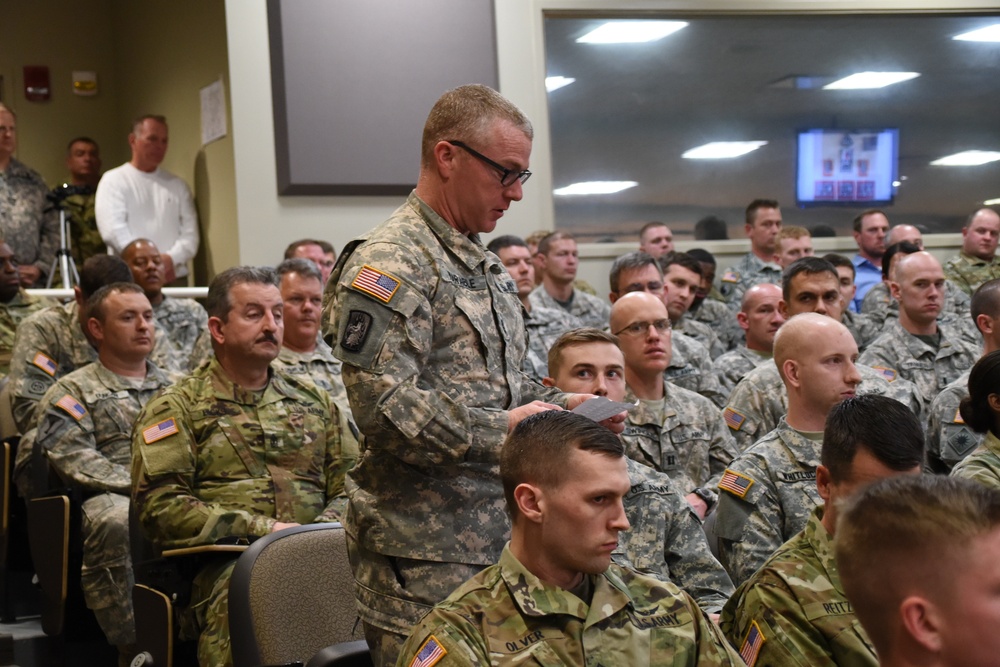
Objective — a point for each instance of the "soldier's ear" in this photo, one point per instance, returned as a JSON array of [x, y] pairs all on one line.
[[548, 382], [529, 502], [215, 329], [823, 482], [95, 329]]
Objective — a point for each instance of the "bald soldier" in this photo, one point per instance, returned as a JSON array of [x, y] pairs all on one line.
[[905, 233], [760, 318], [768, 492], [977, 262]]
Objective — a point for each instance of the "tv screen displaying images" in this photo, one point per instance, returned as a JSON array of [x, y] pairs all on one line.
[[846, 167]]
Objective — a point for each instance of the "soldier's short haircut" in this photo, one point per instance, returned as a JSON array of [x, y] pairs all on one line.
[[546, 243], [984, 380], [325, 246], [790, 232], [467, 114], [95, 304], [295, 245], [808, 265], [505, 241], [755, 205], [534, 238], [703, 256], [904, 247], [537, 449], [882, 426], [101, 270], [300, 265], [651, 225], [573, 337], [80, 140], [680, 259], [986, 300], [218, 302], [860, 217], [903, 536], [839, 260], [137, 123], [630, 261]]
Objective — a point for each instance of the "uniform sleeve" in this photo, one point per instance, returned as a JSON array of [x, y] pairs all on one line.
[[690, 562], [341, 454], [744, 414], [32, 372], [722, 450], [981, 466], [112, 213], [186, 245], [440, 631], [712, 649]]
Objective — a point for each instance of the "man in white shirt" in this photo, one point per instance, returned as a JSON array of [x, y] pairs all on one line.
[[140, 200]]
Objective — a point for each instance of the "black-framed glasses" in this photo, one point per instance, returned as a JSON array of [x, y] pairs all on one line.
[[507, 176], [640, 328]]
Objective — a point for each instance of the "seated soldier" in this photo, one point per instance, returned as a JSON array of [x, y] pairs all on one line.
[[795, 602], [555, 598], [666, 539], [760, 318], [84, 426], [792, 243], [238, 449], [918, 559], [681, 282], [183, 342], [15, 305], [709, 307], [769, 491], [862, 326]]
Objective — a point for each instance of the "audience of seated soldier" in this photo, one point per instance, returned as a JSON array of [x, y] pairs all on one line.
[[15, 305], [558, 261], [792, 243], [656, 239], [763, 222], [681, 281], [319, 252], [760, 318], [976, 262], [709, 307]]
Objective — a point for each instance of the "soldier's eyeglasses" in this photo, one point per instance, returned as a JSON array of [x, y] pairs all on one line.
[[640, 328], [507, 176]]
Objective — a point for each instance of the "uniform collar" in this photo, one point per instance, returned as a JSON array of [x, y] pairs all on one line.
[[821, 542], [468, 249], [225, 389]]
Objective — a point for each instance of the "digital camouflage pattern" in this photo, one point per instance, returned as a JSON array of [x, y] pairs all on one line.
[[691, 368], [799, 605], [749, 271], [949, 439], [967, 273], [30, 231], [181, 326], [900, 352], [864, 328], [319, 367], [544, 326], [880, 305], [686, 439], [84, 425], [722, 321], [507, 616], [760, 400], [12, 314], [733, 366], [591, 310], [49, 344], [702, 333], [666, 539], [781, 469], [982, 465]]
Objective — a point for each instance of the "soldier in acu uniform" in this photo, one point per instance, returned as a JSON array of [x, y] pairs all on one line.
[[15, 305], [763, 222]]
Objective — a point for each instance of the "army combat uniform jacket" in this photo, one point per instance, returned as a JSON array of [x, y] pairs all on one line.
[[949, 439], [734, 365], [967, 272], [982, 465], [749, 271], [181, 327], [591, 310], [12, 314]]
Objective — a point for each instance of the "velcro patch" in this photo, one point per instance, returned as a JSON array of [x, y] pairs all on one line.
[[888, 373], [734, 420], [356, 332], [429, 654], [730, 277], [752, 645], [958, 418], [45, 362], [72, 406], [735, 483], [159, 431], [375, 283]]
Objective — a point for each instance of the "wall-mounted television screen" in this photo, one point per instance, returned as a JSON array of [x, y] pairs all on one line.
[[846, 167]]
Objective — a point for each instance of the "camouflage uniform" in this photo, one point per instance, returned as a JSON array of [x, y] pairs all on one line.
[[30, 232], [982, 465], [765, 497], [897, 351], [731, 367], [864, 328], [592, 311], [702, 333], [760, 400], [180, 323], [880, 305], [949, 440], [428, 325], [544, 326], [749, 271], [666, 539], [85, 240], [49, 344], [319, 367], [85, 424], [799, 606], [507, 616], [691, 368], [687, 440], [967, 273], [11, 315], [213, 460], [722, 321]]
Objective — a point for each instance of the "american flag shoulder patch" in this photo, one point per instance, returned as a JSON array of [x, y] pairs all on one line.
[[376, 283], [45, 362], [734, 420], [958, 418], [888, 373], [730, 277], [735, 483], [429, 654], [72, 406], [159, 431], [752, 644]]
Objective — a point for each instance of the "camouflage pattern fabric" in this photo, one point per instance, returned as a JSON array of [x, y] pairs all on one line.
[[85, 240], [900, 352], [967, 273], [30, 231], [864, 328], [702, 333], [733, 366], [544, 326], [714, 312], [180, 324], [691, 368], [666, 539], [749, 271], [12, 314], [949, 440], [319, 367], [507, 616], [687, 440], [799, 607], [766, 496], [591, 310], [879, 304], [49, 344], [760, 400], [982, 465]]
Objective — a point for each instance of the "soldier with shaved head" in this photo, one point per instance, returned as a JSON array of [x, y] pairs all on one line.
[[760, 318]]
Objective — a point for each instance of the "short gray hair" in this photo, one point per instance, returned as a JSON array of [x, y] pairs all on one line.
[[218, 303]]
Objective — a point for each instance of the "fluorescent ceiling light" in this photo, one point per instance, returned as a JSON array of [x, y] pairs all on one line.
[[631, 32], [991, 202], [870, 80], [990, 33], [557, 82], [967, 159], [718, 150], [595, 188]]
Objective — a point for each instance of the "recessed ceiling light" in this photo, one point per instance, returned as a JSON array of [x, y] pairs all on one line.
[[631, 32], [967, 159], [595, 188], [870, 80], [990, 33], [896, 184], [718, 150], [991, 202], [557, 82]]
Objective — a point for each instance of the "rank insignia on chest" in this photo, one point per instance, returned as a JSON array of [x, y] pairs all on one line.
[[734, 420], [72, 406], [159, 431], [752, 645], [429, 654], [375, 283], [45, 362], [735, 483]]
